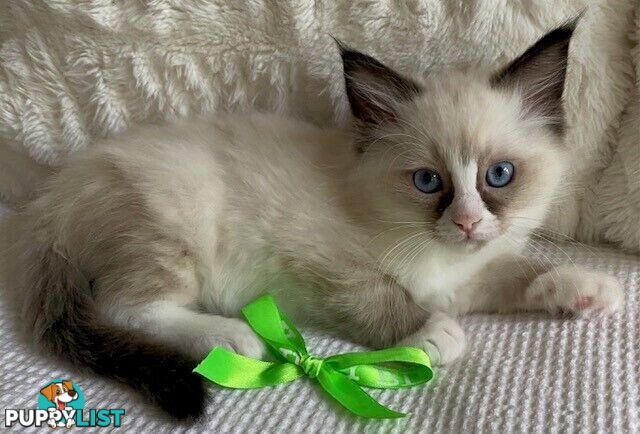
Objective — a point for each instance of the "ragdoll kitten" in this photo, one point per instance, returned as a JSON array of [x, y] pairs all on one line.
[[137, 257]]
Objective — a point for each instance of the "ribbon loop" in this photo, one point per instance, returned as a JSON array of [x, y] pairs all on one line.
[[340, 375]]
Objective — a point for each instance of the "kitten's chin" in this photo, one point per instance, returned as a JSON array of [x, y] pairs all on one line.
[[473, 245], [467, 245]]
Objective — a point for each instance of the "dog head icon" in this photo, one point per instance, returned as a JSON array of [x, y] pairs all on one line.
[[60, 393]]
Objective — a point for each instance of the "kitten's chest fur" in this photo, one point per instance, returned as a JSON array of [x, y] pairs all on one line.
[[437, 279]]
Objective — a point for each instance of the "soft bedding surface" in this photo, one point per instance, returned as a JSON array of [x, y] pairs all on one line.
[[522, 373]]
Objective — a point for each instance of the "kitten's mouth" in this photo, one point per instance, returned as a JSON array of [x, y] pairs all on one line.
[[466, 238], [472, 241], [467, 244]]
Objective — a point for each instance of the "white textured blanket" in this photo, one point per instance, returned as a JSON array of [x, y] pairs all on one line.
[[75, 70], [527, 373]]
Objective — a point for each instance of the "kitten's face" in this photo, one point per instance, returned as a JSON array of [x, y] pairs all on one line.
[[459, 158]]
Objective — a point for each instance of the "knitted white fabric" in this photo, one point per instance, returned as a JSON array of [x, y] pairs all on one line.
[[72, 71], [527, 373]]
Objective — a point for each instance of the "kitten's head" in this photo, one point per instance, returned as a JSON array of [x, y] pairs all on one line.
[[467, 157]]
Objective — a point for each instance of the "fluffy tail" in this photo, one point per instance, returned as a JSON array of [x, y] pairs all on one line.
[[66, 322]]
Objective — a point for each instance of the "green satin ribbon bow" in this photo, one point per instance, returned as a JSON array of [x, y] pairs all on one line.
[[340, 375]]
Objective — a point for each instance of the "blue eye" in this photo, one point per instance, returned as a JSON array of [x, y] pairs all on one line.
[[427, 181], [500, 174]]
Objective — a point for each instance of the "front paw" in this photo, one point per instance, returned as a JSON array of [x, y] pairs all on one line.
[[232, 334], [243, 340], [575, 290], [441, 338]]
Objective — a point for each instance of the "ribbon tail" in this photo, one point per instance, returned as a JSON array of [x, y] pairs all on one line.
[[351, 396], [233, 370], [398, 367]]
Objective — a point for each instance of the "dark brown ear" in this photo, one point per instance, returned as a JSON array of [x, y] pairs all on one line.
[[539, 75], [373, 89]]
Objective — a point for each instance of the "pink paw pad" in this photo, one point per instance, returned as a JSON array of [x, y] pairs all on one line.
[[583, 303]]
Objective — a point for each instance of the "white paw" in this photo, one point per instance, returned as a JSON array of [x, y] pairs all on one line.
[[234, 335], [441, 338], [575, 290], [244, 340], [70, 423]]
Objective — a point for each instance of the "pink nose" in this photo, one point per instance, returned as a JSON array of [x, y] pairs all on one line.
[[467, 223]]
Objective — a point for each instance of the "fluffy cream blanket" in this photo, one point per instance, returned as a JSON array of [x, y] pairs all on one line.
[[72, 71]]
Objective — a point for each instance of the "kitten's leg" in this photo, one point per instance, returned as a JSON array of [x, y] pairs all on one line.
[[518, 283], [193, 332], [384, 314]]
